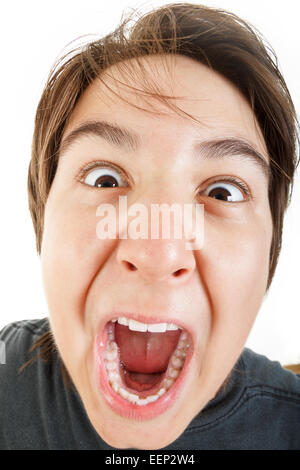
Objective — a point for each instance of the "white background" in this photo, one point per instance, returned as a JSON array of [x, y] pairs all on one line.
[[33, 34]]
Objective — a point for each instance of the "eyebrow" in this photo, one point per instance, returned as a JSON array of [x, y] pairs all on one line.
[[209, 149], [234, 147], [113, 134]]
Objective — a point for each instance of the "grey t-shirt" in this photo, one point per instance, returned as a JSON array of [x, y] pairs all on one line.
[[258, 409]]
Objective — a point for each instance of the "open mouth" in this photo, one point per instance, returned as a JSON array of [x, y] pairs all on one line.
[[142, 362]]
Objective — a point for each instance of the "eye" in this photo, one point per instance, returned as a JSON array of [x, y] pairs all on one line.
[[226, 192], [104, 177]]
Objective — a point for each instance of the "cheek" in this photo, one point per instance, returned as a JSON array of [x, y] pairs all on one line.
[[71, 257], [235, 266]]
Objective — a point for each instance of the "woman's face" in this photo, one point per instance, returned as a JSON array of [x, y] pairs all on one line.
[[194, 308]]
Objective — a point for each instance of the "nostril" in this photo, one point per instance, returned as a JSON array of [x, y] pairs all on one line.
[[179, 272], [129, 266]]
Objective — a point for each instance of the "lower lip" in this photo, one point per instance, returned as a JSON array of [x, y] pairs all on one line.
[[130, 410]]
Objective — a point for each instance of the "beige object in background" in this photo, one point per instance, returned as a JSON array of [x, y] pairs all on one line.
[[294, 368]]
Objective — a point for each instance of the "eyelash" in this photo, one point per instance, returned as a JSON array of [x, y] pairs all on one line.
[[236, 182], [228, 179], [85, 169]]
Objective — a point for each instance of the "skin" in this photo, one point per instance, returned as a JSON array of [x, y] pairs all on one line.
[[220, 288]]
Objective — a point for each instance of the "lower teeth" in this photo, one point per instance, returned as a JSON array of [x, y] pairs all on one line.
[[111, 356]]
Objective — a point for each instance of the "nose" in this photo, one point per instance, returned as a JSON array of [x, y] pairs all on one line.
[[156, 260]]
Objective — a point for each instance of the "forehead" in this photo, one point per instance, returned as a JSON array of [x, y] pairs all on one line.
[[130, 93]]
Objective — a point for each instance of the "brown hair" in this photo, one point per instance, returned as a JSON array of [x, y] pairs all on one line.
[[216, 38]]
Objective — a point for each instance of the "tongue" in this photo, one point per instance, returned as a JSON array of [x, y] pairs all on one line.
[[146, 353], [141, 382]]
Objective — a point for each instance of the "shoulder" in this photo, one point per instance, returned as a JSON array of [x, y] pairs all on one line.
[[24, 328], [268, 376], [258, 408], [24, 390], [16, 341], [18, 337], [271, 402]]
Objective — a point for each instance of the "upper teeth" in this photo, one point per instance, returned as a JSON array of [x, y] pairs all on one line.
[[152, 327]]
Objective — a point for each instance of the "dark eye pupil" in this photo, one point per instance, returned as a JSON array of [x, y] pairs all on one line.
[[219, 193], [106, 181]]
